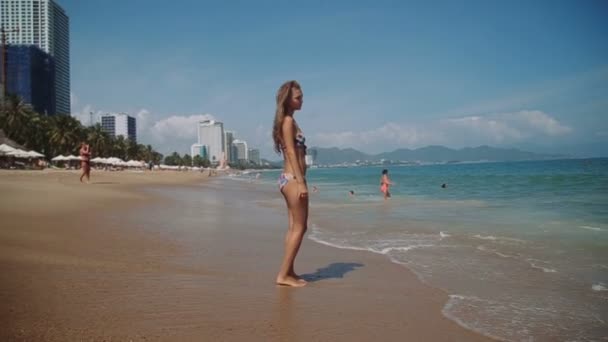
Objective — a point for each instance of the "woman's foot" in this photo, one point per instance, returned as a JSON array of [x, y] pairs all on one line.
[[290, 280]]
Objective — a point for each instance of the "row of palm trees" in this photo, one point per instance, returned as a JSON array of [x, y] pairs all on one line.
[[62, 134]]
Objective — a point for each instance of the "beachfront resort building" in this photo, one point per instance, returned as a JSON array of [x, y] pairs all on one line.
[[30, 74], [42, 23], [120, 124], [242, 153], [211, 141], [254, 156]]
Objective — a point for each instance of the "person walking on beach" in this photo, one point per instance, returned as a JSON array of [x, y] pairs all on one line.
[[291, 143], [385, 182], [85, 161]]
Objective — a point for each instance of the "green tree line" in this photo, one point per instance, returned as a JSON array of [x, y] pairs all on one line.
[[62, 134]]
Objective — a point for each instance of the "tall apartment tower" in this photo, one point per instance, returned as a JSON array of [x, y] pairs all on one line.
[[228, 146], [211, 137], [242, 152], [254, 156], [120, 124], [45, 24]]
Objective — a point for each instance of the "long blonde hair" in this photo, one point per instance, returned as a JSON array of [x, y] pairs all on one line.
[[283, 95]]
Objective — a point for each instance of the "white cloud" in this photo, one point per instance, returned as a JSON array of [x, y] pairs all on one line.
[[540, 121], [492, 129], [174, 133], [142, 120], [177, 127], [389, 134], [503, 128], [85, 117], [509, 127], [73, 100]]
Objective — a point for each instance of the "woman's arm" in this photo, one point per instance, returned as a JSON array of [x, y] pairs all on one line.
[[291, 156]]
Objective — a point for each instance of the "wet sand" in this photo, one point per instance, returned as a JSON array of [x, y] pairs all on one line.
[[92, 262]]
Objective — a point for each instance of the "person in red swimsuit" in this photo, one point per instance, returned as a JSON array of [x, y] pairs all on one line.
[[385, 182], [85, 161]]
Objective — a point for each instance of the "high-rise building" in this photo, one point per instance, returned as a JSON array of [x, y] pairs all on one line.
[[242, 153], [254, 156], [308, 160], [229, 139], [120, 124], [45, 24], [199, 150], [31, 75], [211, 135]]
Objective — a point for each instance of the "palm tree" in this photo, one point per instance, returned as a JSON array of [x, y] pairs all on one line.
[[38, 135], [187, 160], [173, 159], [15, 115], [99, 141], [157, 158], [119, 147], [148, 153], [65, 134], [135, 151]]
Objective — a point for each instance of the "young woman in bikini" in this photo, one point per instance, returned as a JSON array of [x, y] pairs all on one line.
[[290, 142], [85, 161]]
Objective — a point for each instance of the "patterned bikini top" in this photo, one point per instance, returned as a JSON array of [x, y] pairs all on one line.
[[300, 140]]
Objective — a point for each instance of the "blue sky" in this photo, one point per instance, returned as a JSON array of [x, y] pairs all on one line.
[[376, 75]]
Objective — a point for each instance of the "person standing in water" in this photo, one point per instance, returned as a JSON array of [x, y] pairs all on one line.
[[85, 161], [385, 182], [291, 143]]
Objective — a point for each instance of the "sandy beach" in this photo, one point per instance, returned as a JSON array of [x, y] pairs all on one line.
[[123, 259]]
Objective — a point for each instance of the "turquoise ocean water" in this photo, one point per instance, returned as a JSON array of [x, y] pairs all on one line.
[[521, 247]]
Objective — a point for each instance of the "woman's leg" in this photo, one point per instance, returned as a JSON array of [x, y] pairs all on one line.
[[84, 171], [298, 212], [291, 272]]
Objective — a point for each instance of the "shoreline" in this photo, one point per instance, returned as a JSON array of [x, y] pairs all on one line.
[[62, 278]]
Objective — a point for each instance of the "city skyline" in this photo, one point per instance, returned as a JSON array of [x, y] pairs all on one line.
[[376, 77], [218, 145]]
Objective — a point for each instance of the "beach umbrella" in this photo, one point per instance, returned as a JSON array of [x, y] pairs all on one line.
[[17, 153], [98, 160], [72, 157], [59, 158], [114, 161], [4, 148], [135, 163], [35, 154]]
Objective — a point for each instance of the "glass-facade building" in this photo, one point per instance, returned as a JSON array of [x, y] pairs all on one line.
[[30, 74], [229, 138], [42, 23]]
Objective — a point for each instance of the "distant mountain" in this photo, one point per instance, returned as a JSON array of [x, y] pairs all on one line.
[[335, 155], [427, 154]]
